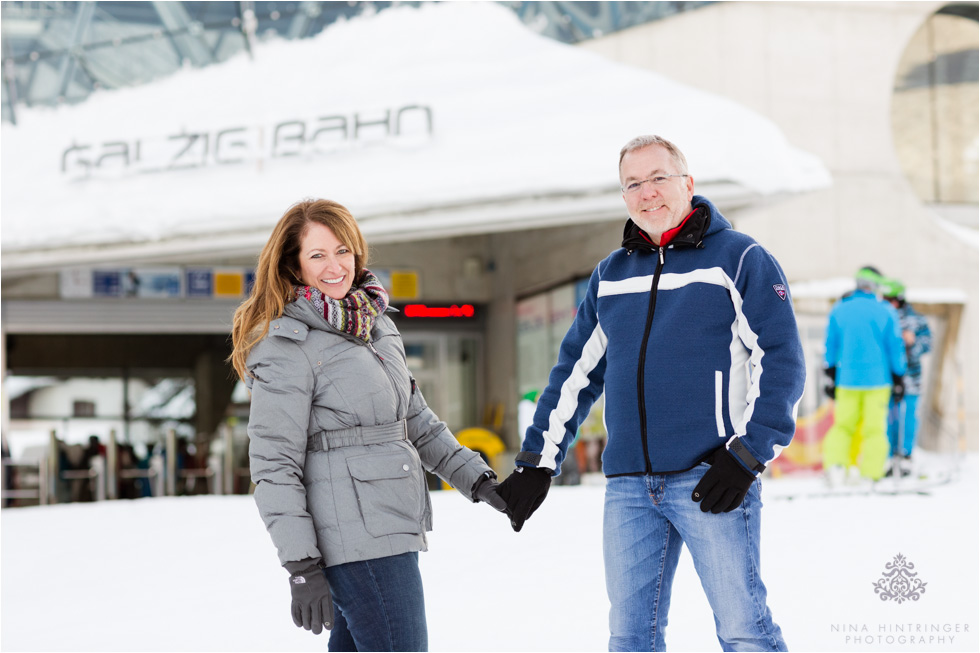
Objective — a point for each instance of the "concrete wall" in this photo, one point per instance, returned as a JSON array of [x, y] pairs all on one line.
[[444, 273], [824, 73]]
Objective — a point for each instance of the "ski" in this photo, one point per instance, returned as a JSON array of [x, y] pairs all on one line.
[[922, 485], [824, 494]]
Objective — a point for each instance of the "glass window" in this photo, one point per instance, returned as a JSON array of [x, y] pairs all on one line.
[[446, 370], [934, 110]]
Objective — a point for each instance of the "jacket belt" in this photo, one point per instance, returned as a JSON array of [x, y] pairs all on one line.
[[357, 435]]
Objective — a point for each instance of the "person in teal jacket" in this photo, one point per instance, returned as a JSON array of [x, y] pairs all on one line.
[[864, 349], [903, 421]]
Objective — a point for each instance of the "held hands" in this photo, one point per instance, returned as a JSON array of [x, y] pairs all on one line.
[[485, 490], [312, 605], [524, 490], [724, 485]]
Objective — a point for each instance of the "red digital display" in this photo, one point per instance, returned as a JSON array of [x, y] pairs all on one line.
[[422, 310]]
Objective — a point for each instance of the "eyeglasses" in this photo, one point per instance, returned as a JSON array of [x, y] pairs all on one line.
[[659, 180]]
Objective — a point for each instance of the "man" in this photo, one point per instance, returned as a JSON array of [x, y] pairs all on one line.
[[865, 354], [690, 330], [903, 423]]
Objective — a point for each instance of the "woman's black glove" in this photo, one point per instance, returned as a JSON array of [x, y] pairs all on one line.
[[524, 490], [485, 490], [312, 605], [724, 485]]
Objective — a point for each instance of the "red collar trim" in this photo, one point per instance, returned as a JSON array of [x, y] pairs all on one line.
[[670, 234]]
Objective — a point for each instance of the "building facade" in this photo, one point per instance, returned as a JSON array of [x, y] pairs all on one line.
[[521, 209]]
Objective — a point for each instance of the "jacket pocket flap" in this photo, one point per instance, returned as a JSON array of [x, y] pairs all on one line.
[[376, 467]]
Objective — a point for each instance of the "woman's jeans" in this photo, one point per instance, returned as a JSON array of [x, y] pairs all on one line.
[[378, 605], [646, 520]]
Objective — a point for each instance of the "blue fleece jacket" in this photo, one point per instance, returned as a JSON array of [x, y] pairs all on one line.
[[695, 345], [864, 342]]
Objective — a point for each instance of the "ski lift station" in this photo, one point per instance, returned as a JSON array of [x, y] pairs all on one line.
[[149, 148]]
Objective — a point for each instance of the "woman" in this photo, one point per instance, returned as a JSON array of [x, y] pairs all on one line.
[[340, 434]]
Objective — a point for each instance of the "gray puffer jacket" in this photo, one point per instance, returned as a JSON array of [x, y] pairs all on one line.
[[338, 437]]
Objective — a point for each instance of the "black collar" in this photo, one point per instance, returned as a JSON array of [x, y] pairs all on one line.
[[692, 232]]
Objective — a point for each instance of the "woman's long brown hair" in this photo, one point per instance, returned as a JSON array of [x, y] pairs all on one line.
[[278, 269]]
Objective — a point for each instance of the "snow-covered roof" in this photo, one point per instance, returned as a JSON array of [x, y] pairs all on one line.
[[490, 127]]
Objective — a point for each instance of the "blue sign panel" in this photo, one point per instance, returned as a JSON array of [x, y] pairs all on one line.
[[200, 282], [156, 283], [107, 283]]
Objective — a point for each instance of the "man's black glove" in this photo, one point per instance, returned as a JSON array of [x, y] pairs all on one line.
[[485, 490], [830, 389], [523, 491], [312, 605], [898, 388], [724, 485]]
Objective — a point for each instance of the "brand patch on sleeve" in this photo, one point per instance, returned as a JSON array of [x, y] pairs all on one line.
[[780, 290]]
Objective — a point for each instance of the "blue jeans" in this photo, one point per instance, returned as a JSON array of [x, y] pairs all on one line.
[[646, 521], [378, 605], [903, 423]]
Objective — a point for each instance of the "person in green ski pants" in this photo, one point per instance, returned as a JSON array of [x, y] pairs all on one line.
[[864, 349]]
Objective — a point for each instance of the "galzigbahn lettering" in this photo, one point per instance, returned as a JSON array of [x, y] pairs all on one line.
[[237, 145]]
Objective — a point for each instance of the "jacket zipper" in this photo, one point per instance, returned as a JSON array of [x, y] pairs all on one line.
[[370, 346], [381, 360], [394, 387], [425, 488], [640, 376], [376, 352]]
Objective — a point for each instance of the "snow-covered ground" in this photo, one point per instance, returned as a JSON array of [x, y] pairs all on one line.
[[200, 574]]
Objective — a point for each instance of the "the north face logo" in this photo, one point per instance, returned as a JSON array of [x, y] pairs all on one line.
[[780, 290]]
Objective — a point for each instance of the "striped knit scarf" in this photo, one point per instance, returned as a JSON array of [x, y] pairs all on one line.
[[355, 313]]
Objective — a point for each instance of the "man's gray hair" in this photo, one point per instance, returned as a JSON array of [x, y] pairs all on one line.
[[643, 141]]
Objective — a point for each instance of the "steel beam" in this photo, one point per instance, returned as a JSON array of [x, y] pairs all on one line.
[[66, 69], [186, 34]]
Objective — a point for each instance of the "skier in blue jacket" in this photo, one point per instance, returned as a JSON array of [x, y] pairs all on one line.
[[864, 350], [689, 329]]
